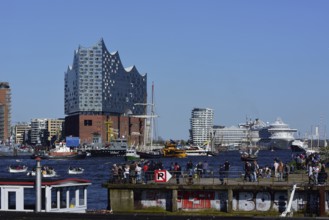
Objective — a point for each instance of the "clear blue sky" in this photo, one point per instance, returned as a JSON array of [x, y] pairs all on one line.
[[260, 59]]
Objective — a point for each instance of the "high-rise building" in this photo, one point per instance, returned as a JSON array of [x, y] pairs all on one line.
[[202, 122], [38, 126], [100, 96], [5, 111]]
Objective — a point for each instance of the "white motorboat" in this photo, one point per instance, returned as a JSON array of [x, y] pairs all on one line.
[[17, 169], [75, 170], [45, 172]]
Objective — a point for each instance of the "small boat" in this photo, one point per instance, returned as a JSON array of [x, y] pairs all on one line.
[[75, 170], [131, 154], [171, 150], [45, 172], [17, 169], [249, 154]]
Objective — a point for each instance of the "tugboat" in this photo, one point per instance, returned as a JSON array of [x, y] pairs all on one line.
[[61, 151]]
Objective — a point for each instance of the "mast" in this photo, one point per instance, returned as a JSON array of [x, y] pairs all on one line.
[[152, 114]]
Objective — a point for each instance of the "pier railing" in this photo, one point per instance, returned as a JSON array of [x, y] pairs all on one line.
[[211, 178]]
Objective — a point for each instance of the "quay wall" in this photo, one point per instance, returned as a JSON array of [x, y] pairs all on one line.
[[309, 200]]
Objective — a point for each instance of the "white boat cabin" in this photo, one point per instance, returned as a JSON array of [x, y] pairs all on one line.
[[61, 195]]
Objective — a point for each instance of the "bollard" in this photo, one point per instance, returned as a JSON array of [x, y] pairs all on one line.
[[38, 186]]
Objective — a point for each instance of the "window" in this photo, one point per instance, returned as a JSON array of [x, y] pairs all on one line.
[[88, 122]]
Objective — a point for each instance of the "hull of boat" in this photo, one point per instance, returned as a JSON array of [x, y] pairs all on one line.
[[248, 158], [18, 170], [76, 171], [132, 158], [280, 144], [61, 156], [107, 153], [149, 155]]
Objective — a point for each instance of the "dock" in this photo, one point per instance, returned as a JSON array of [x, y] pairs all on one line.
[[236, 196]]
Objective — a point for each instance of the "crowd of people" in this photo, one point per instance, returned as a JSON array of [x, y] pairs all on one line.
[[143, 171]]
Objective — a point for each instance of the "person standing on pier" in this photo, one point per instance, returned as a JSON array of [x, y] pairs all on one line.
[[275, 167], [280, 170], [227, 166], [189, 168], [177, 169], [222, 173]]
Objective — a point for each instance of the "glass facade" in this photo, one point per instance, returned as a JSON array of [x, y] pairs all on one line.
[[97, 83], [202, 121]]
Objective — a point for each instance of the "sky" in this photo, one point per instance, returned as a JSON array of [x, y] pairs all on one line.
[[244, 59]]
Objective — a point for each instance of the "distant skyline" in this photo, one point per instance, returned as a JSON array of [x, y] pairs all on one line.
[[244, 59]]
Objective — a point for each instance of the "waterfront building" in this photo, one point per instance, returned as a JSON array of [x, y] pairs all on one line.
[[5, 112], [54, 128], [101, 95], [21, 131], [38, 126], [201, 121]]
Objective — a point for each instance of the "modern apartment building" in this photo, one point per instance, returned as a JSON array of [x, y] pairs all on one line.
[[100, 96], [5, 111], [202, 122]]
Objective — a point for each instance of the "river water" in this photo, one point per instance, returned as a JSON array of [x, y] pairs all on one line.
[[97, 170]]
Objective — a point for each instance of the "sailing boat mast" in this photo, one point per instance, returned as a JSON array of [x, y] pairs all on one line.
[[152, 115]]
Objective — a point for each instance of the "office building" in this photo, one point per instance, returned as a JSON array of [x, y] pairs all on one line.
[[21, 133], [5, 112], [202, 121], [100, 96]]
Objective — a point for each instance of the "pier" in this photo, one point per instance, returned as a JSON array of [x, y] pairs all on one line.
[[265, 197]]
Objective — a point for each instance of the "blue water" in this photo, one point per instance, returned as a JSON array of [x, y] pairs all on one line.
[[97, 170]]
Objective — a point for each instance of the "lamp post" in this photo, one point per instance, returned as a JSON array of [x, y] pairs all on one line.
[[38, 185]]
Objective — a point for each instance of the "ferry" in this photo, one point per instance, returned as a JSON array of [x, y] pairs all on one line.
[[117, 147], [171, 150]]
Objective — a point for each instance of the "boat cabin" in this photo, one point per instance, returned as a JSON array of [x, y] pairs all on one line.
[[57, 195]]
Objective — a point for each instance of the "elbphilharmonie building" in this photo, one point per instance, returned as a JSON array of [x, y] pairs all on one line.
[[99, 90]]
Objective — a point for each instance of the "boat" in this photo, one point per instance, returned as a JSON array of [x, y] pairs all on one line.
[[150, 154], [61, 151], [281, 135], [171, 150], [247, 156], [15, 150], [45, 172], [132, 155], [17, 168], [117, 147], [299, 146], [204, 150], [148, 150], [75, 170]]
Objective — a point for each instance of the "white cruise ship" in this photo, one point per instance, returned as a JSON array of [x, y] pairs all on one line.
[[281, 135]]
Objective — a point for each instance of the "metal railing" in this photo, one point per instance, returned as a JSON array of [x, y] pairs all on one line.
[[211, 178]]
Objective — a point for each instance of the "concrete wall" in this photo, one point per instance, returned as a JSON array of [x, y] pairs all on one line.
[[229, 199]]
